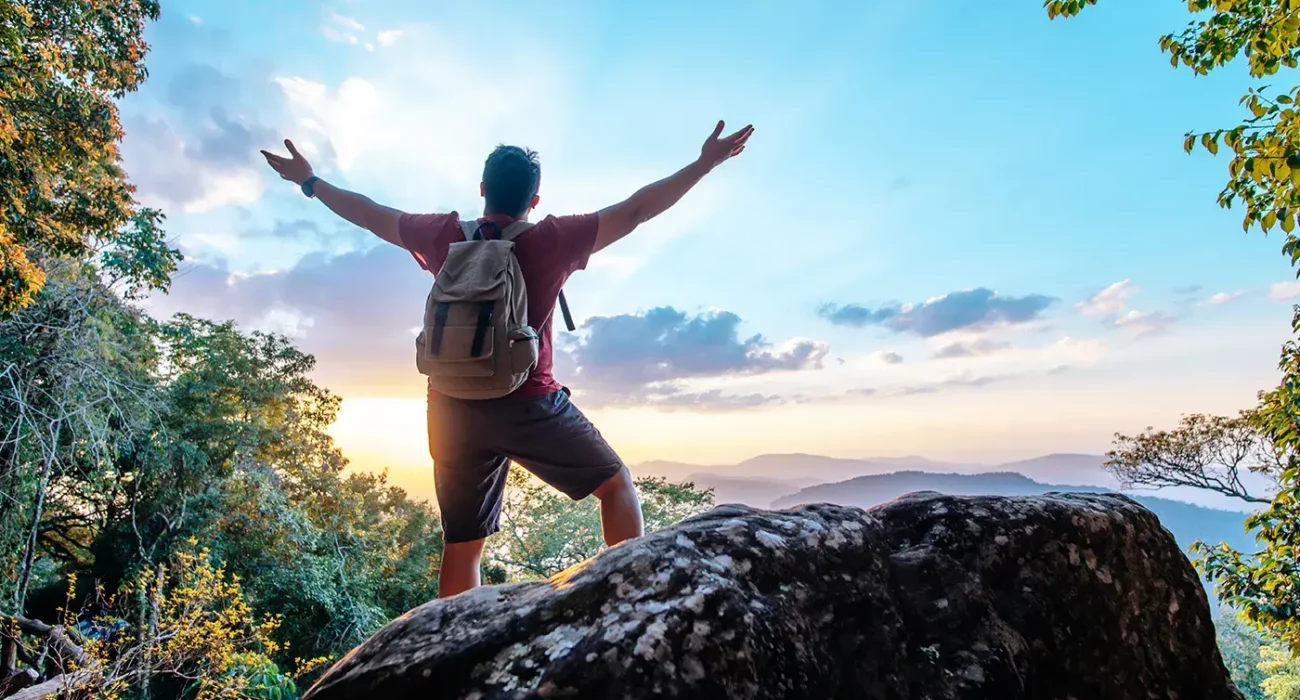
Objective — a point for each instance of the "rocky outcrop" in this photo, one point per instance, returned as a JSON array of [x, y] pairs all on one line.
[[1048, 597]]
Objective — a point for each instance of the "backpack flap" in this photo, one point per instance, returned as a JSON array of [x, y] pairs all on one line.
[[474, 271]]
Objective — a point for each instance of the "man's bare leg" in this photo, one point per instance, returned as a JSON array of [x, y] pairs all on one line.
[[461, 562], [620, 509]]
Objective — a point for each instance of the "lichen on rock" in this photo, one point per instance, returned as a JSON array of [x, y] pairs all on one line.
[[929, 596]]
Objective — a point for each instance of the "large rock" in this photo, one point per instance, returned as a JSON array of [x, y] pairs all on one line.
[[1050, 597]]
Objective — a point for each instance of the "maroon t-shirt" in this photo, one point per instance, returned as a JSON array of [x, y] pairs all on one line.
[[548, 253]]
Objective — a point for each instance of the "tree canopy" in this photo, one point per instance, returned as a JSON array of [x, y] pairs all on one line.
[[62, 188]]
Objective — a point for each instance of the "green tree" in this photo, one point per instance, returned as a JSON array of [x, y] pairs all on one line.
[[1281, 672], [1264, 181], [1240, 645], [543, 532], [62, 190]]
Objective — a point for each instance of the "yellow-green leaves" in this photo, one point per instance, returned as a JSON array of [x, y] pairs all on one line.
[[1065, 8], [62, 189]]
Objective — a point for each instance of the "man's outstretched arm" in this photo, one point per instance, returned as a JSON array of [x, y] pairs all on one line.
[[356, 208], [652, 200]]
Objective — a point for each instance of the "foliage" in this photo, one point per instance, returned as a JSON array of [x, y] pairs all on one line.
[[1266, 586], [1240, 644], [1264, 179], [201, 637], [62, 189], [122, 439], [1212, 453], [1282, 674], [543, 532]]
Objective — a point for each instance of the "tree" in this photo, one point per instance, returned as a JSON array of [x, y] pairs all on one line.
[[62, 190], [1212, 453], [543, 532], [1281, 674], [203, 641], [1264, 179], [1240, 645]]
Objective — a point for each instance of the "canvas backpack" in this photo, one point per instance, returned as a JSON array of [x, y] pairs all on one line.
[[476, 342]]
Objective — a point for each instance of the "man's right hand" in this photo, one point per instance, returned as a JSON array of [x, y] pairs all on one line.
[[295, 169], [652, 200], [717, 150]]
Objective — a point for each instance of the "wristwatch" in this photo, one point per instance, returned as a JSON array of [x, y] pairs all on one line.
[[309, 186]]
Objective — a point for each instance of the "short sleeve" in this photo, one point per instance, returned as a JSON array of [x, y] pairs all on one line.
[[575, 237], [428, 236]]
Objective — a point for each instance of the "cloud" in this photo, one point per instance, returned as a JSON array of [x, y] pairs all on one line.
[[1145, 323], [1188, 290], [389, 37], [341, 28], [974, 348], [1109, 301], [969, 310], [965, 380], [714, 400], [666, 344], [1111, 305], [169, 175], [648, 358], [1224, 298], [1284, 291], [353, 311], [890, 358], [200, 154]]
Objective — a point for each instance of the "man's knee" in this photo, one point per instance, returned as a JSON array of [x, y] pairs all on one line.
[[619, 484], [463, 551]]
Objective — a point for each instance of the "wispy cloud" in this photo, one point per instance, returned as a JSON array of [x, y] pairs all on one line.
[[975, 348], [1284, 291], [1112, 306], [890, 358], [1109, 301], [1224, 298], [1145, 323], [341, 28]]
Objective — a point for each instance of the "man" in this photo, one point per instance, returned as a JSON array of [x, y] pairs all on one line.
[[472, 441]]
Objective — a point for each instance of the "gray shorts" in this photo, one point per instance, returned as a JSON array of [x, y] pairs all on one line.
[[472, 443]]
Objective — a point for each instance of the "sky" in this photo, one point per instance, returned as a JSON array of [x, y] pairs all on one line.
[[960, 230]]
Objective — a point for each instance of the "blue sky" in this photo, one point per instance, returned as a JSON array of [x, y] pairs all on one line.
[[960, 229]]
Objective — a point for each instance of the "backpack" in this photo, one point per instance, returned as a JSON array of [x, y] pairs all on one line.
[[476, 342]]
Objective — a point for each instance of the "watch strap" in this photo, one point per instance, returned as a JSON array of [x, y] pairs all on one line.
[[309, 186]]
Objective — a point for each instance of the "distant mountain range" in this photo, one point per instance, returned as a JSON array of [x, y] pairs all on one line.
[[785, 480], [761, 480]]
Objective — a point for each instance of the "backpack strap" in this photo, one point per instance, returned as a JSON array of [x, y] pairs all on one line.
[[481, 329], [439, 323]]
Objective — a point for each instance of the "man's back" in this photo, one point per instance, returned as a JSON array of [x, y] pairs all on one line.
[[473, 441], [554, 249]]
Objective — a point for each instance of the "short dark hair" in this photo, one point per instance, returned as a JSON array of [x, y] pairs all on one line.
[[511, 176]]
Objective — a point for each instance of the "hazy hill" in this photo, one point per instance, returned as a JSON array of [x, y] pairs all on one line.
[[758, 481], [1186, 521]]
